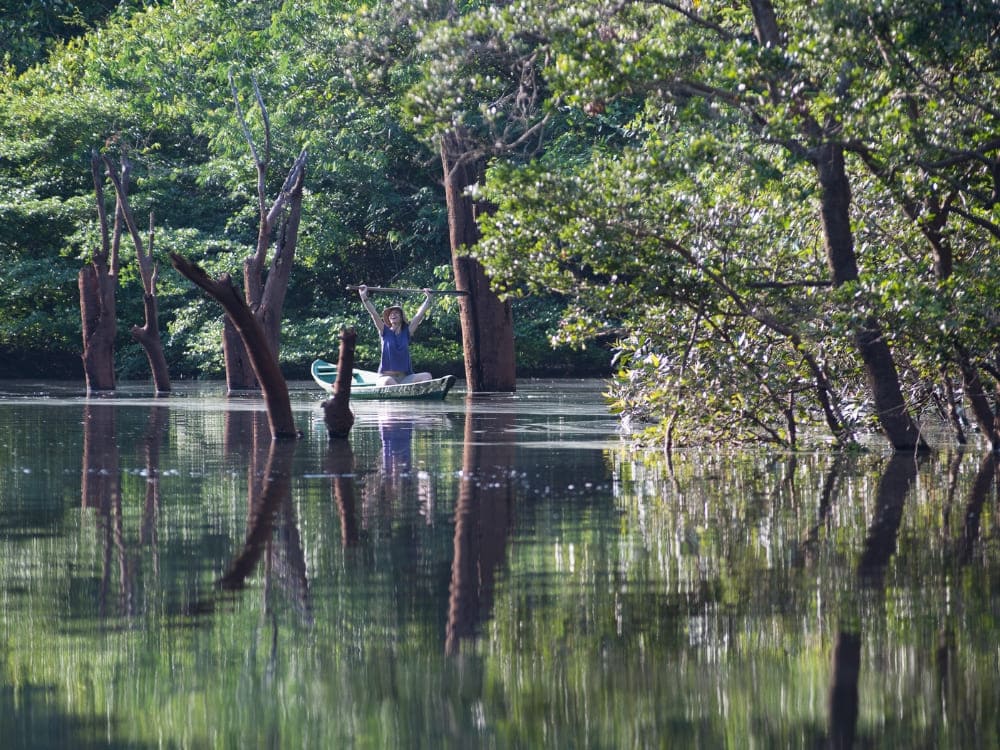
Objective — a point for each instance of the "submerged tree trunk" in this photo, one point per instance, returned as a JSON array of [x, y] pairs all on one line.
[[147, 335], [98, 283], [265, 296], [262, 357], [880, 368], [487, 323], [337, 410]]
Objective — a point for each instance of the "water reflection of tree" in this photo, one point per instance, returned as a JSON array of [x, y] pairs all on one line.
[[272, 527], [961, 557], [101, 491], [880, 546], [879, 549], [340, 466], [153, 440], [483, 514]]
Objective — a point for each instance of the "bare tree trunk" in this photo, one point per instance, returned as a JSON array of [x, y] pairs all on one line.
[[262, 357], [487, 323], [265, 297], [337, 410], [98, 283], [148, 335], [98, 329]]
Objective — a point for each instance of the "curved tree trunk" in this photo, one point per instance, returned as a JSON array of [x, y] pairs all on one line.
[[883, 379], [148, 337], [487, 323], [262, 357], [838, 240], [337, 410]]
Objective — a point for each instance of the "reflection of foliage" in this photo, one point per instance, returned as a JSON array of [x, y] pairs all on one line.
[[636, 606]]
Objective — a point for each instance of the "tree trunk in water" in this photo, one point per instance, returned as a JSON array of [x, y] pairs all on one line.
[[239, 371], [263, 359], [148, 335], [98, 330], [987, 419], [883, 379], [337, 410], [98, 284], [487, 323]]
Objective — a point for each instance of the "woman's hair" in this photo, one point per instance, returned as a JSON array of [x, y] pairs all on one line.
[[386, 311]]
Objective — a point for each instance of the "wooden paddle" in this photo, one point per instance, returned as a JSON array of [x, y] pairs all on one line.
[[396, 290]]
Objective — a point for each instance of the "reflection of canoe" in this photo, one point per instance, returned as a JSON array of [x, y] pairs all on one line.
[[364, 384]]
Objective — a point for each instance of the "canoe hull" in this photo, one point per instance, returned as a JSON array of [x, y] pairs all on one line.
[[364, 386]]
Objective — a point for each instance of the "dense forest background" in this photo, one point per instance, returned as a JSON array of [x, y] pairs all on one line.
[[761, 217]]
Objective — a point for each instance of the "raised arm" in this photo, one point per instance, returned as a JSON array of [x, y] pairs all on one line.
[[376, 318], [419, 316]]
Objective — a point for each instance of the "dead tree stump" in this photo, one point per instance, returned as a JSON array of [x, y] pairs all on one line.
[[337, 410]]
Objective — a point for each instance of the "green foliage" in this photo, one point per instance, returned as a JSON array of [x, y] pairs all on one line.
[[681, 212]]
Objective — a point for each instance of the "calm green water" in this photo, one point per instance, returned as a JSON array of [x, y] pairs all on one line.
[[490, 572]]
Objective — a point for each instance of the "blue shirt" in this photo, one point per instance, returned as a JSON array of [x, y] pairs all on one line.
[[395, 351]]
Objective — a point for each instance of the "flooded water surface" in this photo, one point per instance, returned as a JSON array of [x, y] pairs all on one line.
[[488, 571]]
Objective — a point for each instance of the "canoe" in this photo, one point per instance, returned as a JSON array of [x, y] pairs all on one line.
[[364, 384]]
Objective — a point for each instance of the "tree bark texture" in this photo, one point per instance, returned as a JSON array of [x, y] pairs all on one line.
[[98, 328], [487, 323], [147, 335], [337, 410], [869, 338], [98, 284], [262, 357], [280, 222]]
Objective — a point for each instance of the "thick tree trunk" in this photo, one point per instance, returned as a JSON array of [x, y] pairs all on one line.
[[883, 378], [98, 329], [239, 371], [487, 323], [263, 359], [98, 284]]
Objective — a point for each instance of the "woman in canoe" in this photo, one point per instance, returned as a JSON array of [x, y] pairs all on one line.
[[395, 332]]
